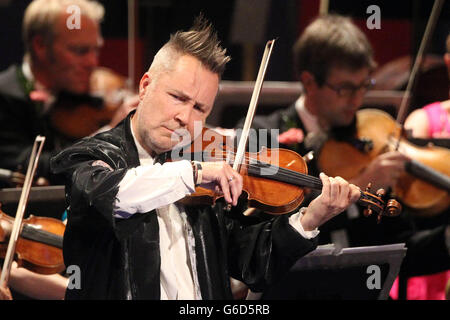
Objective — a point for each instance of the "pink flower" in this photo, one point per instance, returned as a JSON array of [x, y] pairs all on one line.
[[39, 95], [292, 136]]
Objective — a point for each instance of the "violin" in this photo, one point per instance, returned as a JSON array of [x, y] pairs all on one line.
[[425, 188], [39, 246], [79, 115], [273, 179]]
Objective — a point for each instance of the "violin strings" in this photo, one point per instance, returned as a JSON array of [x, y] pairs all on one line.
[[283, 173]]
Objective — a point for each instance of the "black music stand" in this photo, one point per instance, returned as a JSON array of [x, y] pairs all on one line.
[[330, 274]]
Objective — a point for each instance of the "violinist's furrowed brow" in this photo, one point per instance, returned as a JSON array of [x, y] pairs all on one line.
[[185, 97]]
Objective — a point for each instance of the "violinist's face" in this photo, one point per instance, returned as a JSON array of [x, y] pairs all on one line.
[[73, 55], [171, 100], [337, 109]]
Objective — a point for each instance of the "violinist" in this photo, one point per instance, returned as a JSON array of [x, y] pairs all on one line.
[[127, 231], [433, 120], [334, 61], [57, 59]]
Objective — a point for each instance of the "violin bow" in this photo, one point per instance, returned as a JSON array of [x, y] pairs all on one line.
[[436, 10], [252, 107], [131, 43], [323, 7], [32, 165]]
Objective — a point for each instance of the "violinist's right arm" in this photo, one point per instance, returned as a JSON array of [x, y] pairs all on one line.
[[174, 180]]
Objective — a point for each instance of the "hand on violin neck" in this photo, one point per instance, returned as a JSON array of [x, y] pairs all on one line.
[[221, 178], [383, 171], [337, 195]]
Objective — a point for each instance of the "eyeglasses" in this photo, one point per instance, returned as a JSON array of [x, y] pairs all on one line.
[[348, 90]]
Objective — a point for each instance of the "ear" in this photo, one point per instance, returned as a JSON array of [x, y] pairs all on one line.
[[144, 85], [308, 81], [39, 48]]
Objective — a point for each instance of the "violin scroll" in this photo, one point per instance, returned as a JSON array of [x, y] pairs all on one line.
[[391, 209]]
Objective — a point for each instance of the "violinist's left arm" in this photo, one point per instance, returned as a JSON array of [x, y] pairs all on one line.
[[337, 194]]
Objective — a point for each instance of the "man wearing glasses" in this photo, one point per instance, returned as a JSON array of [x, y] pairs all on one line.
[[334, 61]]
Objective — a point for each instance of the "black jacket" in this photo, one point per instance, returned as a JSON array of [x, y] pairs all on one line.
[[119, 259]]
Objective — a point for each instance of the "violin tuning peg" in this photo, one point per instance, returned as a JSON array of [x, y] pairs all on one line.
[[381, 193], [369, 185], [309, 156], [393, 208], [249, 212]]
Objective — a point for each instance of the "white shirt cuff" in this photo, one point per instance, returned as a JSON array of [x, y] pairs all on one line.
[[294, 220]]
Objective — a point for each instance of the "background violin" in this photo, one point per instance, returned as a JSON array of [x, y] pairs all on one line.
[[39, 246], [427, 186], [424, 189], [79, 115]]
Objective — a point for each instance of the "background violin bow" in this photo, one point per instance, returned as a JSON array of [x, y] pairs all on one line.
[[32, 165]]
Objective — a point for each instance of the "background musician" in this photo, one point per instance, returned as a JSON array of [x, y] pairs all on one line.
[[334, 61], [58, 59]]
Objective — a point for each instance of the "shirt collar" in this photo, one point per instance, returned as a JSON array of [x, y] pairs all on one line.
[[28, 74], [144, 156], [309, 120]]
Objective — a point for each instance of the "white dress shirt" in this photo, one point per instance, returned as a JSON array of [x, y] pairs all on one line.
[[155, 186], [309, 120]]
